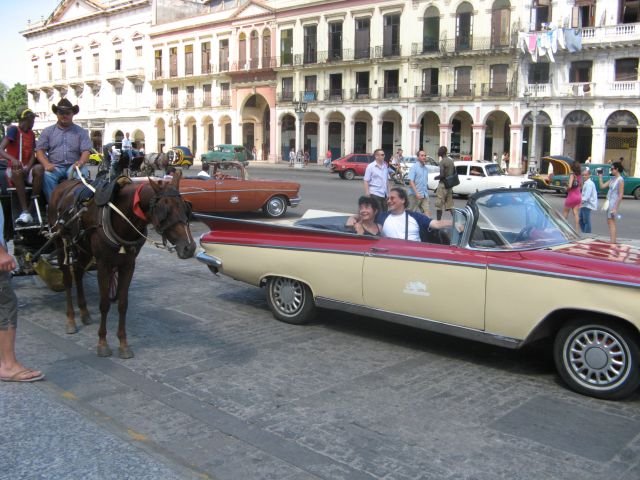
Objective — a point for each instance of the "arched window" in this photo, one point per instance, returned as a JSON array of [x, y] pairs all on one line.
[[431, 30], [464, 27], [500, 23]]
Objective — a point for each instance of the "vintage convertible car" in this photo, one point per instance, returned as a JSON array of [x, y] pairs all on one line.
[[229, 189], [525, 273], [476, 176]]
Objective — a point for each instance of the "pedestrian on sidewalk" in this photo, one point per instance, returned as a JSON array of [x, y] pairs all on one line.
[[614, 197], [10, 369], [589, 200], [292, 156]]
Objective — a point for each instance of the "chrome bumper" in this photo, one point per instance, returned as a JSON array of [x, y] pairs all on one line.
[[295, 201], [214, 264]]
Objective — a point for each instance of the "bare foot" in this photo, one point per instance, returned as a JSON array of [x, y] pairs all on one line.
[[20, 374]]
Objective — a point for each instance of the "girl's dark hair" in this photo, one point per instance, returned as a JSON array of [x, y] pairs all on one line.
[[366, 200], [442, 151], [618, 166], [576, 168], [402, 194]]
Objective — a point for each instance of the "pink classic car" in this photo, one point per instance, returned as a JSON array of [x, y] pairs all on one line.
[[526, 276]]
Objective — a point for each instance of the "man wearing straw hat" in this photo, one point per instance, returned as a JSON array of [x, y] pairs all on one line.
[[18, 149], [62, 147]]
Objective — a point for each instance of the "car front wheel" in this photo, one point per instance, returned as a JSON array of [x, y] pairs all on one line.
[[290, 300], [636, 193], [275, 207], [598, 358], [349, 174]]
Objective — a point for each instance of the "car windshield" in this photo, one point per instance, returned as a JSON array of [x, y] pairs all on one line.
[[517, 220], [493, 169]]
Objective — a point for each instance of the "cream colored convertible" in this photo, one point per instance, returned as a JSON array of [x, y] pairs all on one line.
[[526, 276]]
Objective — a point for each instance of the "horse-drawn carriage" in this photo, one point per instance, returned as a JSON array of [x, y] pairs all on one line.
[[101, 225]]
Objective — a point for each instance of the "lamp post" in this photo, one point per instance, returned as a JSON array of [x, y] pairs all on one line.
[[531, 100], [300, 109]]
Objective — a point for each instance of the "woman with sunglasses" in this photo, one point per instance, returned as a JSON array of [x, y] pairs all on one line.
[[614, 197]]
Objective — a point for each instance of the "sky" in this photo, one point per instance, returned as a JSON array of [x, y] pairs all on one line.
[[13, 19]]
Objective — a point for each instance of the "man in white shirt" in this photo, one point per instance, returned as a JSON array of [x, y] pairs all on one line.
[[400, 223], [205, 171], [589, 200], [127, 145], [376, 179]]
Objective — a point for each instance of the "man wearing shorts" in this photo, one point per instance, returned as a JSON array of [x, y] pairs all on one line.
[[18, 149], [10, 369]]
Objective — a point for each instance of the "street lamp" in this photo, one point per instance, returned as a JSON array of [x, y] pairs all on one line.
[[531, 100], [300, 108]]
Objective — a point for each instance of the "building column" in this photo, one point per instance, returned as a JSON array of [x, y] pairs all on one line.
[[515, 154], [323, 139], [274, 135], [445, 135], [414, 138], [478, 132], [376, 134], [557, 139], [598, 144], [200, 142], [348, 136]]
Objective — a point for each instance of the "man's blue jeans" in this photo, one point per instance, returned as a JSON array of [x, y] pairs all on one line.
[[52, 179], [585, 219]]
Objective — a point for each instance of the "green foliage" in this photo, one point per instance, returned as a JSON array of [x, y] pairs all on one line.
[[11, 99]]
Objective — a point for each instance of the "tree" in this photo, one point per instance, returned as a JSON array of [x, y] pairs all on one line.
[[10, 101]]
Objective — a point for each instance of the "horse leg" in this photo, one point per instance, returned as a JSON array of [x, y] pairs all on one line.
[[125, 274], [67, 279], [78, 272], [104, 274]]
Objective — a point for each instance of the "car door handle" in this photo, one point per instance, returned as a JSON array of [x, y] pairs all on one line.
[[379, 250]]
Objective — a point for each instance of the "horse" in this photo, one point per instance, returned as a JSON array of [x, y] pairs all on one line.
[[153, 162], [83, 231]]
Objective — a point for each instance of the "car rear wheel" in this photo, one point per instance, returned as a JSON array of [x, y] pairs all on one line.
[[341, 175], [290, 300], [636, 193], [349, 174], [275, 207], [598, 358]]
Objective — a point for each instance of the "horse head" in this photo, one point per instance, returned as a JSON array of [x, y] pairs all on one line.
[[169, 214]]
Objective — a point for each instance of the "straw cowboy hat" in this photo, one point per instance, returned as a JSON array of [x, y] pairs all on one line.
[[64, 105]]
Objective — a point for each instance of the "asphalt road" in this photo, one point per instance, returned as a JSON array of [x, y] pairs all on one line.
[[325, 191], [219, 389]]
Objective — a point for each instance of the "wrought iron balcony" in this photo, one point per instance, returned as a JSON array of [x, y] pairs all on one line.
[[389, 92], [428, 91], [286, 96], [463, 90], [505, 89], [462, 44], [334, 95], [360, 93], [225, 99]]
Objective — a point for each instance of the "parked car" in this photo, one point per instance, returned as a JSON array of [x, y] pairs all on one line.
[[513, 273], [229, 189], [631, 184], [226, 153], [402, 176], [349, 166], [476, 176]]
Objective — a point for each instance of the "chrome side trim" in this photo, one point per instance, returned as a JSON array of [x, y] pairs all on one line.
[[579, 278], [362, 253], [294, 201], [421, 323]]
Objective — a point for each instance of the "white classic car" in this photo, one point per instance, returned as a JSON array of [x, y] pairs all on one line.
[[476, 176]]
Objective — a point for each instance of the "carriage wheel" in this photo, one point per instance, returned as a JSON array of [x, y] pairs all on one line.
[[113, 286]]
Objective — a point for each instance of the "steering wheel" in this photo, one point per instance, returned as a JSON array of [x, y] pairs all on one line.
[[524, 234]]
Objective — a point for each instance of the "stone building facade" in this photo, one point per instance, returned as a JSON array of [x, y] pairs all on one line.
[[478, 76]]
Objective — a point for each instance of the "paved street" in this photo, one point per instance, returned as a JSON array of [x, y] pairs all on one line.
[[219, 389]]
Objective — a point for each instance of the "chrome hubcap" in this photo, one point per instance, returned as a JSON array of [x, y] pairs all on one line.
[[597, 358], [275, 206], [288, 295]]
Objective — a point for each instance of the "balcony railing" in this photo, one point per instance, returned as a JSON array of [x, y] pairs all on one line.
[[286, 96], [539, 89], [225, 99], [206, 101], [460, 44], [466, 90], [360, 93], [428, 91], [310, 96], [190, 102], [334, 95], [159, 103], [389, 92], [497, 89], [608, 34]]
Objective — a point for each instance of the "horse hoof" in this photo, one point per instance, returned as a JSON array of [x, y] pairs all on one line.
[[125, 352], [104, 351], [86, 319], [71, 329]]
